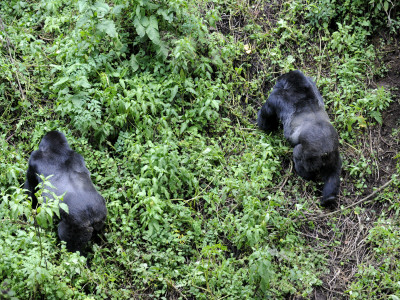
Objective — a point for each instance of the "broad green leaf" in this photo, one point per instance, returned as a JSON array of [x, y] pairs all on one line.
[[386, 5], [64, 207], [153, 35], [153, 22], [117, 9], [183, 127], [165, 15], [108, 27], [82, 5], [174, 90], [377, 116], [122, 83], [78, 99], [102, 9], [138, 11], [83, 82], [145, 21], [61, 81], [162, 50], [134, 63], [141, 31]]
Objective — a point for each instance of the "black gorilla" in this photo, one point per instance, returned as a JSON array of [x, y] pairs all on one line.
[[87, 208], [296, 102]]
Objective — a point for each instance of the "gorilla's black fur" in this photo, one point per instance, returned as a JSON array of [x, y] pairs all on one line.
[[296, 102], [87, 208]]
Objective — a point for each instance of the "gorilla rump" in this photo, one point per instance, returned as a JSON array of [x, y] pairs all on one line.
[[87, 208], [296, 102]]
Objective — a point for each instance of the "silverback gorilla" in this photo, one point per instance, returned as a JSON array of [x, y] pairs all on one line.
[[87, 208], [296, 102]]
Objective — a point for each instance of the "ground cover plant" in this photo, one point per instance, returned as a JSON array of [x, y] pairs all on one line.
[[161, 99]]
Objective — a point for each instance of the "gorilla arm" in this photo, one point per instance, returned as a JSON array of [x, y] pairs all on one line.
[[32, 178], [331, 189], [267, 118]]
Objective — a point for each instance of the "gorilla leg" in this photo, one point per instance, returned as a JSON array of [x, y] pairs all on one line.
[[299, 163], [75, 237]]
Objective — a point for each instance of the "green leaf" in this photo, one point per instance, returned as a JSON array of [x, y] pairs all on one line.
[[108, 27], [122, 83], [377, 116], [162, 50], [140, 30], [145, 21], [117, 9], [78, 99], [165, 15], [386, 5], [61, 81], [134, 63], [183, 127], [64, 207], [83, 82], [153, 35], [102, 9], [190, 90], [138, 11], [153, 22], [174, 90]]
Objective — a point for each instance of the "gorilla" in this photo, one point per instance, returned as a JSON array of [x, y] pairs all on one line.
[[297, 103], [87, 208]]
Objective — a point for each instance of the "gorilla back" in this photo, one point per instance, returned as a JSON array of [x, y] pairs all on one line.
[[297, 103], [87, 208]]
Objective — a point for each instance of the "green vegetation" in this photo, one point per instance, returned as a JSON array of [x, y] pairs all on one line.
[[160, 98]]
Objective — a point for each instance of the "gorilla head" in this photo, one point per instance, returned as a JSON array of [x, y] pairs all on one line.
[[296, 102], [87, 209]]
